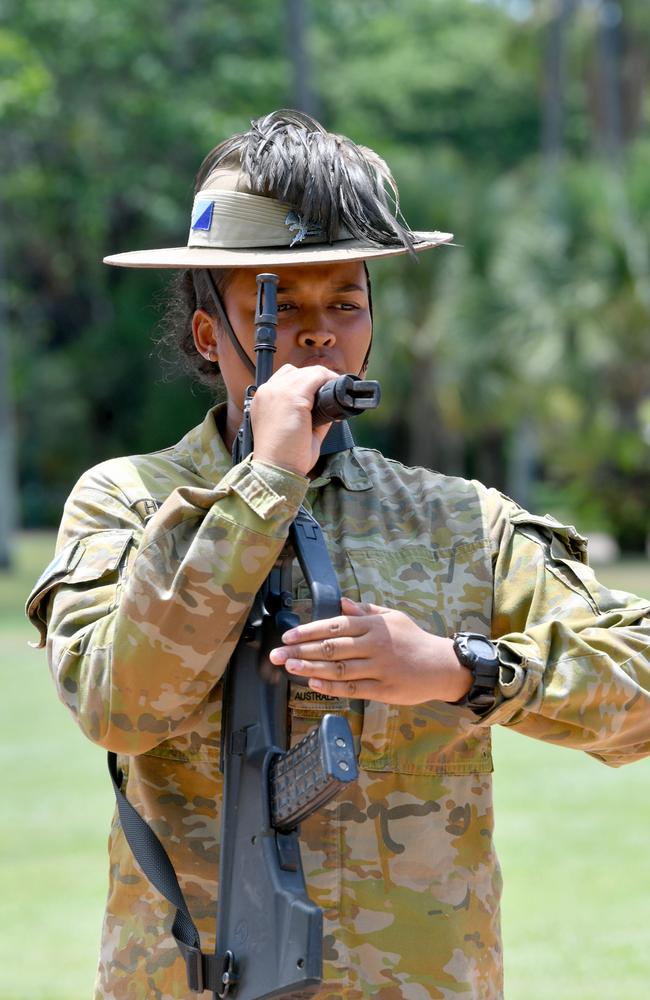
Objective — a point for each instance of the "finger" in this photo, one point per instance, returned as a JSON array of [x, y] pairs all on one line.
[[367, 690], [320, 433], [326, 628], [337, 670], [351, 607], [345, 648]]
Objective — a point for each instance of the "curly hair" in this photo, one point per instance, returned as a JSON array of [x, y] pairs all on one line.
[[186, 292]]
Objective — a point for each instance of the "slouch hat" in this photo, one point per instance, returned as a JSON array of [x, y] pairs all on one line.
[[289, 192]]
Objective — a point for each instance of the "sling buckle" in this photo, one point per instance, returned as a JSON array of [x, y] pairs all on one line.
[[194, 966]]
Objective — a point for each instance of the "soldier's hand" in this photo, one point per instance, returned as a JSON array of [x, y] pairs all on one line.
[[374, 653], [281, 414]]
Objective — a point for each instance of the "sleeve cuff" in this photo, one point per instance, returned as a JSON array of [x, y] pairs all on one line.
[[519, 678], [270, 491]]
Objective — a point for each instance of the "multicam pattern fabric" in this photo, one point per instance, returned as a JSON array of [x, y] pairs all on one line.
[[155, 571]]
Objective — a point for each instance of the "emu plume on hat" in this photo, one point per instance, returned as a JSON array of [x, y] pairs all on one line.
[[288, 192]]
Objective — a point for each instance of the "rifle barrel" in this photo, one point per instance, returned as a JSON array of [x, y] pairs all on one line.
[[266, 323]]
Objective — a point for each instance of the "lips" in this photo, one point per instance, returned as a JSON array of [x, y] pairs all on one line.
[[320, 359]]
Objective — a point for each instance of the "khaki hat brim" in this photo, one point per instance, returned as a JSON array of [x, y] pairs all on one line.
[[323, 253]]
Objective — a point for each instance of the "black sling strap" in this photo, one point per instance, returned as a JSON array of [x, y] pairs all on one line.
[[204, 972]]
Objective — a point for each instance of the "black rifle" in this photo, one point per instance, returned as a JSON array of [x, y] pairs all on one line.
[[269, 933], [265, 919]]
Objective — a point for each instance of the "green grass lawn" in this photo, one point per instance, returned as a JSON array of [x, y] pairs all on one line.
[[572, 837], [55, 815]]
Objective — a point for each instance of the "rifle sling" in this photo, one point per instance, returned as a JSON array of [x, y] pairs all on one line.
[[204, 972], [338, 438]]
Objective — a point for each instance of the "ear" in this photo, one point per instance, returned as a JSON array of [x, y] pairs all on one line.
[[204, 331]]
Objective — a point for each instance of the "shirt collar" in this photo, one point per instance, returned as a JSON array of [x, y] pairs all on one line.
[[206, 449], [345, 467]]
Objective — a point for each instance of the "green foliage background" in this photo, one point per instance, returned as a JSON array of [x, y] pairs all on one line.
[[525, 351]]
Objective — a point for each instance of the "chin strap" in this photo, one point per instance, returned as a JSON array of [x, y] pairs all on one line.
[[225, 322], [227, 325], [364, 366]]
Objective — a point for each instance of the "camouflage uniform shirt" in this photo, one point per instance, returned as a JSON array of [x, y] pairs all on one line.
[[158, 559]]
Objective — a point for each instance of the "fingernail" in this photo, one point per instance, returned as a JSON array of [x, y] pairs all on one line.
[[316, 685], [295, 666], [290, 636], [278, 655]]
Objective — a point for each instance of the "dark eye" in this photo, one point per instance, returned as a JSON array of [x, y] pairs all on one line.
[[284, 306]]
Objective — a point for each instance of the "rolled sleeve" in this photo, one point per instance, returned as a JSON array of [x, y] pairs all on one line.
[[140, 619], [575, 656], [269, 492]]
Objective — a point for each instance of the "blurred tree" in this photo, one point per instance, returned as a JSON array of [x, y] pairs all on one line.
[[539, 320], [453, 105], [117, 107], [8, 500]]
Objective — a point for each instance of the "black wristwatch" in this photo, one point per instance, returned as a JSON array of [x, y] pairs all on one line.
[[480, 656]]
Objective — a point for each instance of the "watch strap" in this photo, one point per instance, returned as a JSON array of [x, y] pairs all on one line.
[[483, 662]]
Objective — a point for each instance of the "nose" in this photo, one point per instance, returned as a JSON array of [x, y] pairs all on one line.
[[316, 338]]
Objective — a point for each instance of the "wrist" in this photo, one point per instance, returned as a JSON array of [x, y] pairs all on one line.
[[461, 678], [285, 462], [281, 478], [451, 679]]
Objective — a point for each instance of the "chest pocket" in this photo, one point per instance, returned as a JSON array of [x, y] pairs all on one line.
[[443, 591], [307, 707]]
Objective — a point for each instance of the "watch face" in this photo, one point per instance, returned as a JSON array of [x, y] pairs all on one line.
[[481, 648]]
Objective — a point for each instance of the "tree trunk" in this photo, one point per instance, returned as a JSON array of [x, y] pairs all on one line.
[[522, 462], [430, 443], [8, 503], [298, 19], [554, 82], [609, 39]]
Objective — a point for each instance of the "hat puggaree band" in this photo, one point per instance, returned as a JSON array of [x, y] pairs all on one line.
[[234, 228]]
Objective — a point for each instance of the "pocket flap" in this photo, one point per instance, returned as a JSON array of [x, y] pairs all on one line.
[[564, 539], [81, 561], [566, 552]]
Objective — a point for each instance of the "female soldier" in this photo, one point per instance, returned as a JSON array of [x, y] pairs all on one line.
[[159, 557]]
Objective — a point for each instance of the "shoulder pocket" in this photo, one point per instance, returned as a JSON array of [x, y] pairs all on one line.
[[566, 552], [81, 561]]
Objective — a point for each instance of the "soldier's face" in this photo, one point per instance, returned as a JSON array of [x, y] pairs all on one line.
[[323, 318]]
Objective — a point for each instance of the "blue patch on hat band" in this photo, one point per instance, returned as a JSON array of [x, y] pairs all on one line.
[[202, 215]]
